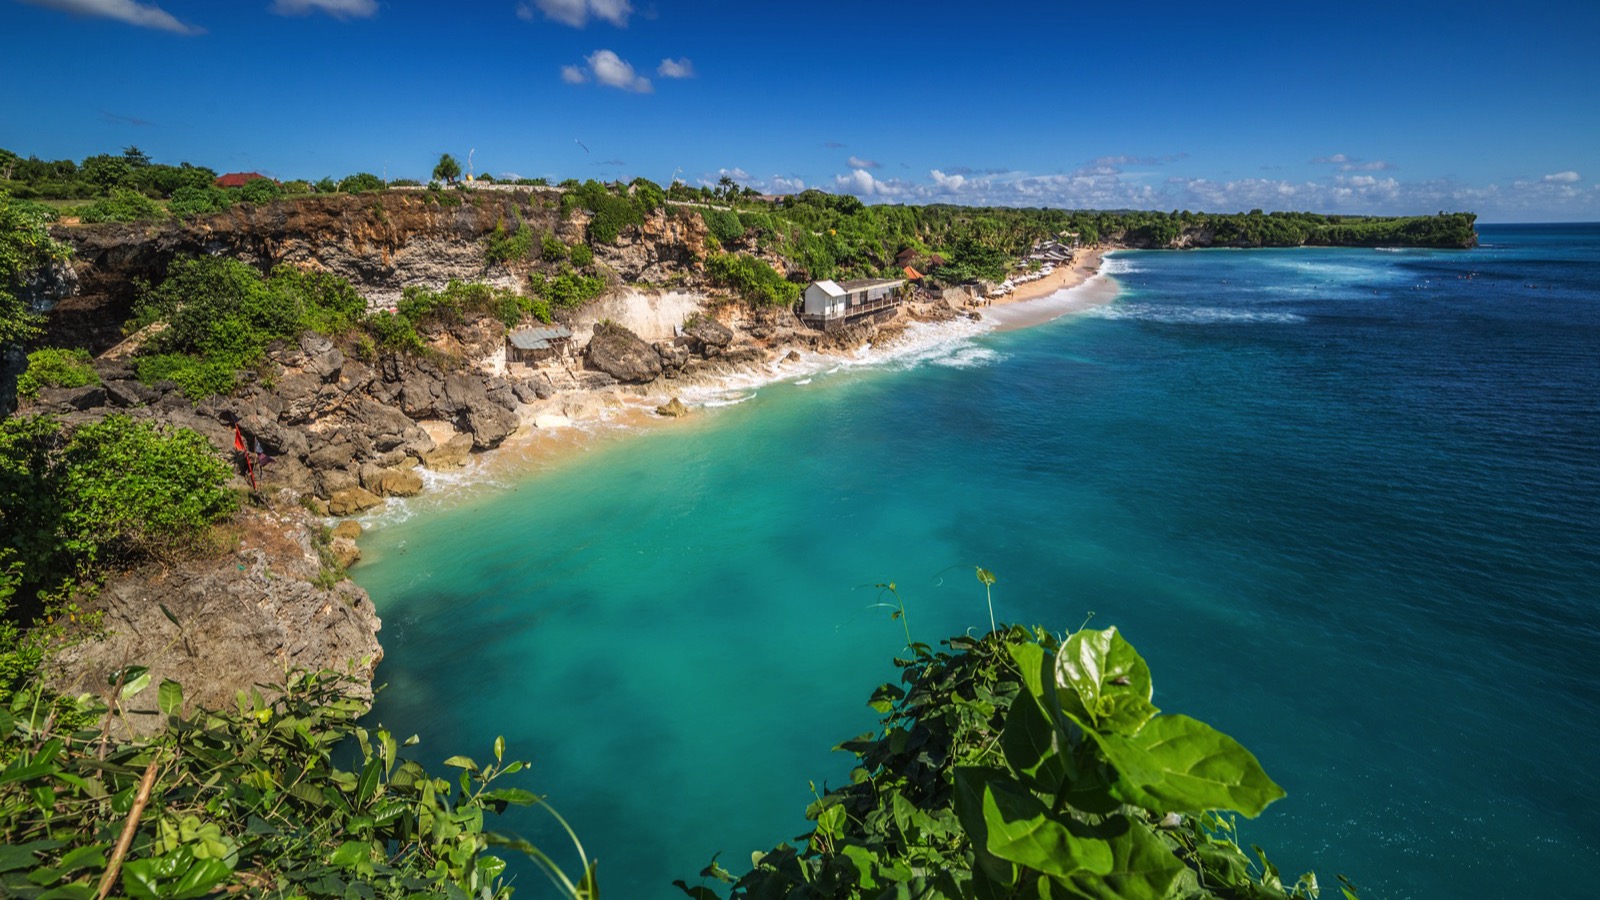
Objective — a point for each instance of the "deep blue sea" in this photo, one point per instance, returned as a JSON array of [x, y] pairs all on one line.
[[1345, 502]]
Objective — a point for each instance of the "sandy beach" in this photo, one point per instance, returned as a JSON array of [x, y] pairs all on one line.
[[1085, 264]]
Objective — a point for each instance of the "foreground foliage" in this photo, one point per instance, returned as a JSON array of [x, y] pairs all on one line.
[[25, 247], [1020, 766], [253, 800], [113, 491]]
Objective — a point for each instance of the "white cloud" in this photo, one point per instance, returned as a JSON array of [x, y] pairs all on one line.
[[578, 12], [1336, 159], [613, 71], [676, 68], [573, 75], [951, 183], [339, 9], [1567, 177], [857, 162], [127, 11]]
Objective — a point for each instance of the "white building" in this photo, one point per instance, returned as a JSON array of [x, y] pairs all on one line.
[[830, 304]]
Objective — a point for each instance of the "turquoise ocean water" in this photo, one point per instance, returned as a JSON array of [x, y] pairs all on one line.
[[1346, 503]]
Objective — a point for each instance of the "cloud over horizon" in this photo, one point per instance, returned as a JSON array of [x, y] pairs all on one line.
[[128, 11], [856, 162], [578, 12], [1567, 177]]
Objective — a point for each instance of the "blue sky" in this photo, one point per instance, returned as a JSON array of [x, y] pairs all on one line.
[[1393, 107]]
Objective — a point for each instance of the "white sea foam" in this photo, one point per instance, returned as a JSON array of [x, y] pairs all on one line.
[[1113, 264], [1201, 315], [803, 381]]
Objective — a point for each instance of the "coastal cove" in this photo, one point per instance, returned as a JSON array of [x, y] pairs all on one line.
[[1327, 492]]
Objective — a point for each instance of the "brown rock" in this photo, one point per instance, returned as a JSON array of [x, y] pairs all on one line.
[[349, 501], [344, 551], [622, 354], [391, 482], [451, 454], [672, 409], [349, 528]]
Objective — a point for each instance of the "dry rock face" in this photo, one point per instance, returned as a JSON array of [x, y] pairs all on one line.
[[243, 618], [623, 355]]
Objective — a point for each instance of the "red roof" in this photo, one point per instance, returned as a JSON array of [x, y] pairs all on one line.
[[238, 179]]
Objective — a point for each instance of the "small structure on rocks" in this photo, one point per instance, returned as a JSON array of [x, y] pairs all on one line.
[[535, 345], [832, 305]]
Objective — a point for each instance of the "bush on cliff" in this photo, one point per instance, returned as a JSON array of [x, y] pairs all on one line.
[[221, 315], [610, 213], [566, 289], [758, 283], [188, 202], [114, 491], [54, 367], [25, 247], [122, 206], [1022, 765]]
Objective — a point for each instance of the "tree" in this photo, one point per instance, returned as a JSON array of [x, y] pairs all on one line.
[[448, 170], [135, 158]]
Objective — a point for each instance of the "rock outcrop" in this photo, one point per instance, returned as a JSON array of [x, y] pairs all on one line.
[[243, 618], [622, 354]]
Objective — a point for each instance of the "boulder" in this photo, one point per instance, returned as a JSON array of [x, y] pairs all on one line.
[[419, 395], [86, 397], [349, 528], [450, 454], [391, 482], [490, 425], [331, 481], [344, 551], [462, 393], [622, 354], [351, 500], [673, 408], [128, 393], [706, 335]]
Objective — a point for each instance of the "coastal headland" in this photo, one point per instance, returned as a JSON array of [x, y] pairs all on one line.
[[522, 315]]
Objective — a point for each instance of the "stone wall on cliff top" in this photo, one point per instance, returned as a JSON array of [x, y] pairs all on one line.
[[381, 243]]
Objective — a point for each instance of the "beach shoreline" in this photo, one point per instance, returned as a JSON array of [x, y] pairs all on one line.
[[597, 417]]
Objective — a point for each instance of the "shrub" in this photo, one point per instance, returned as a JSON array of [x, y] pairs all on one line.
[[111, 491], [551, 249], [199, 201], [567, 289], [501, 247], [723, 224], [197, 376], [582, 256], [361, 182], [394, 331], [609, 213], [260, 190], [754, 280], [53, 367], [122, 206]]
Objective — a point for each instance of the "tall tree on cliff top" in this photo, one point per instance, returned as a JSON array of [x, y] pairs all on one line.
[[448, 170]]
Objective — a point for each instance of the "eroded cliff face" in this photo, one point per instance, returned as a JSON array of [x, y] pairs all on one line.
[[381, 243]]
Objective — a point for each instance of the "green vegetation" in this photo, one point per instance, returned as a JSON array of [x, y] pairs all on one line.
[[420, 309], [361, 182], [113, 491], [611, 212], [566, 289], [122, 205], [221, 315], [582, 256], [253, 800], [758, 283], [724, 225], [448, 170], [260, 190], [51, 367], [502, 247], [25, 247], [1019, 765], [187, 202]]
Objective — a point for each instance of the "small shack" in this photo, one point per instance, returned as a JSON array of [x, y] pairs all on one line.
[[828, 305], [535, 345]]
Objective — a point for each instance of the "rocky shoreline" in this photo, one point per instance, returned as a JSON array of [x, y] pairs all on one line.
[[345, 434]]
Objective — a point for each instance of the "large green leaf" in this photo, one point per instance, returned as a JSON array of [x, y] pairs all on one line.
[[1142, 867], [971, 783], [1019, 828], [1101, 679], [1034, 746], [1178, 764]]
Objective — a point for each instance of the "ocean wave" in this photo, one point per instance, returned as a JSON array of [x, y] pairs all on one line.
[[1117, 265], [1192, 315], [968, 358]]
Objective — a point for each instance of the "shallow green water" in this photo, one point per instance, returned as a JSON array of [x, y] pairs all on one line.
[[1326, 493]]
